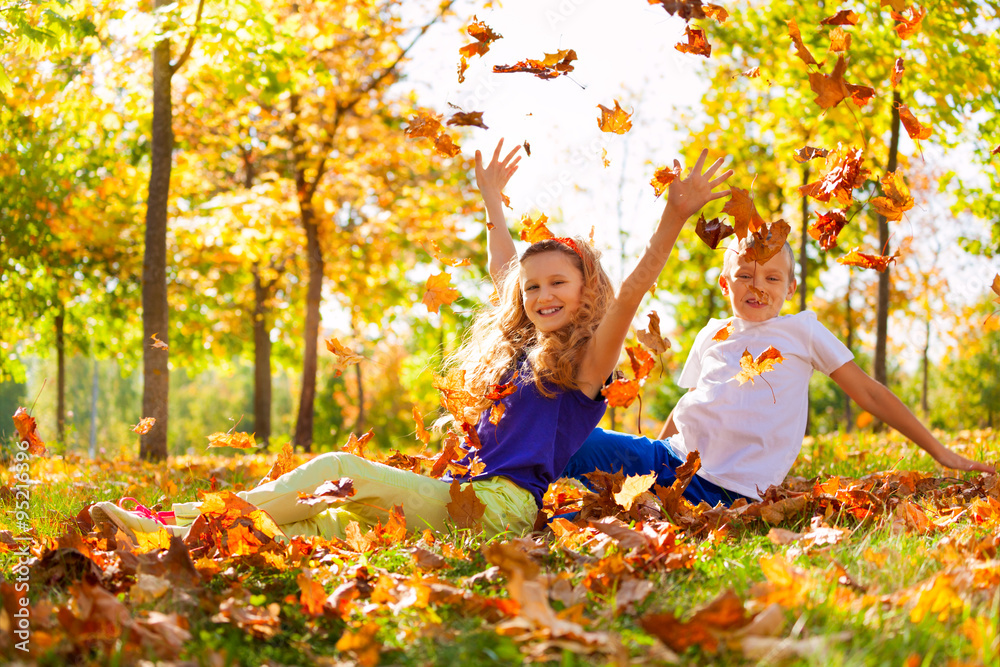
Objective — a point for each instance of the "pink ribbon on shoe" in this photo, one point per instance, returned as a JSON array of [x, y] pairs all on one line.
[[164, 518]]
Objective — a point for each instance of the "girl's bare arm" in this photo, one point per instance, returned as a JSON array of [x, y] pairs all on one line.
[[491, 180]]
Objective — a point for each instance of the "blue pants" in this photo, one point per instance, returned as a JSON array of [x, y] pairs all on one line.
[[611, 451]]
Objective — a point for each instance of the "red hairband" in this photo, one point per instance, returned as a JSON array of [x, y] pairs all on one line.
[[569, 243]]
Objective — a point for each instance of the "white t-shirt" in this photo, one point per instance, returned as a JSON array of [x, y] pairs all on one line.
[[746, 438]]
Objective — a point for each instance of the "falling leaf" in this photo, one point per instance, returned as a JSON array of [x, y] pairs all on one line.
[[913, 126], [995, 151], [897, 199], [808, 153], [428, 125], [692, 9], [696, 43], [283, 462], [423, 435], [615, 120], [663, 177], [465, 509], [860, 95], [897, 73], [827, 227], [451, 450], [455, 398], [345, 357], [908, 27], [651, 338], [534, 230], [642, 362], [801, 50], [843, 17], [744, 212], [467, 118], [621, 393], [233, 439], [766, 242], [996, 288], [553, 65], [158, 344], [144, 425], [752, 73], [844, 174], [328, 492], [830, 89], [607, 162], [527, 148], [751, 367], [724, 333], [713, 231], [484, 36], [857, 258], [840, 40], [439, 292]]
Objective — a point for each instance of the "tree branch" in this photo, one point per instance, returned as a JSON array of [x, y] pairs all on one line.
[[190, 44]]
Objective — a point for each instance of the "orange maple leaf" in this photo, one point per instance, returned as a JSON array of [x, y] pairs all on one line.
[[283, 462], [465, 509], [908, 27], [827, 227], [233, 439], [484, 36], [724, 333], [831, 88], [897, 72], [466, 118], [439, 292], [312, 595], [345, 357], [857, 258], [621, 393], [553, 65], [897, 199], [844, 174], [861, 95], [428, 125], [801, 50], [663, 177], [423, 435], [840, 40], [913, 126], [696, 43], [740, 205], [843, 17], [751, 367], [27, 430], [650, 337], [451, 450], [534, 230], [642, 362], [144, 425], [455, 398], [356, 445], [615, 120], [766, 242]]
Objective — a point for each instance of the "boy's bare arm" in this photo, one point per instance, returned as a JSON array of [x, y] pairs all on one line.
[[879, 400], [669, 428]]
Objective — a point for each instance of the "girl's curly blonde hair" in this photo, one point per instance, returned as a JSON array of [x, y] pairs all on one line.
[[502, 334]]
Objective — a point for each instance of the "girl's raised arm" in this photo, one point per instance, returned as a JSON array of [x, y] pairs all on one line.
[[491, 180], [686, 197]]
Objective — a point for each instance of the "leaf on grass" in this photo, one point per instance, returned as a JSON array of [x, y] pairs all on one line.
[[843, 17], [633, 487], [615, 120], [696, 43], [344, 356], [896, 76], [466, 119], [553, 65], [328, 492], [158, 344], [808, 153], [663, 177], [827, 227], [709, 624], [465, 509], [312, 596], [801, 50], [724, 333], [361, 643], [650, 337], [913, 126], [857, 258], [534, 230], [439, 292], [621, 393], [484, 36], [897, 199], [144, 426], [908, 27], [740, 206], [233, 439], [427, 560], [751, 367], [451, 450]]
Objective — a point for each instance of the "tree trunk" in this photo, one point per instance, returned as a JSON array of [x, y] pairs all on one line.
[[882, 326], [61, 374], [155, 371], [261, 359], [803, 242], [314, 295], [848, 417]]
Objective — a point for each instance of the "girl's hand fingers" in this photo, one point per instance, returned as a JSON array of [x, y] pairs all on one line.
[[479, 160], [696, 169], [511, 154], [496, 152]]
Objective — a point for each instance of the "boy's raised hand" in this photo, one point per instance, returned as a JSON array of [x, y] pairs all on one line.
[[686, 196], [492, 179]]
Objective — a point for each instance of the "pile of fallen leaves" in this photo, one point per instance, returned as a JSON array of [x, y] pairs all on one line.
[[613, 574]]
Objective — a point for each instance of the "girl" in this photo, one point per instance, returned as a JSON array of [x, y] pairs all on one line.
[[534, 365]]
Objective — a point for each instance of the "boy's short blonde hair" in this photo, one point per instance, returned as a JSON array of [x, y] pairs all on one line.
[[737, 247]]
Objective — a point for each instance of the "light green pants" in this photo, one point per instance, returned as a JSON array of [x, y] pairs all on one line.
[[377, 488]]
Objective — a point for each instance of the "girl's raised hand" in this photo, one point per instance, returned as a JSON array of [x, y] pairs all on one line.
[[686, 196], [493, 178]]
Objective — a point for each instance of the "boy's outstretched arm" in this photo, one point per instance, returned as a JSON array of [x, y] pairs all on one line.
[[879, 400], [686, 196], [491, 180]]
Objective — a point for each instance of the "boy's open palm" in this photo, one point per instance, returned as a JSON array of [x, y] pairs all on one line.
[[687, 195]]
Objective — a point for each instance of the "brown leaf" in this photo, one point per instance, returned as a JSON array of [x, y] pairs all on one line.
[[843, 17], [329, 491], [651, 337], [553, 65], [455, 398], [534, 230], [827, 227], [312, 596], [809, 152], [857, 258], [696, 43], [897, 199], [840, 41], [897, 73], [740, 206], [356, 446], [465, 509], [615, 120], [844, 174], [642, 362], [860, 95], [467, 118], [344, 356], [484, 36], [801, 50], [361, 643], [450, 451], [713, 231], [913, 126], [724, 614], [27, 431], [439, 292], [830, 89], [427, 560], [766, 242], [233, 439], [423, 435], [284, 462], [751, 367]]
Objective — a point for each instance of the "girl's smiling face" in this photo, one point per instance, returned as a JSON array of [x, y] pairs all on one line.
[[551, 286], [757, 291]]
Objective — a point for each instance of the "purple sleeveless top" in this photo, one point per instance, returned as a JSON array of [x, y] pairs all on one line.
[[536, 435]]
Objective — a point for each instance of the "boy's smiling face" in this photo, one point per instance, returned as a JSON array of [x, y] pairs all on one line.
[[757, 291]]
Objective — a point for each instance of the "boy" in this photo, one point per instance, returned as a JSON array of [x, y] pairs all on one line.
[[747, 438]]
